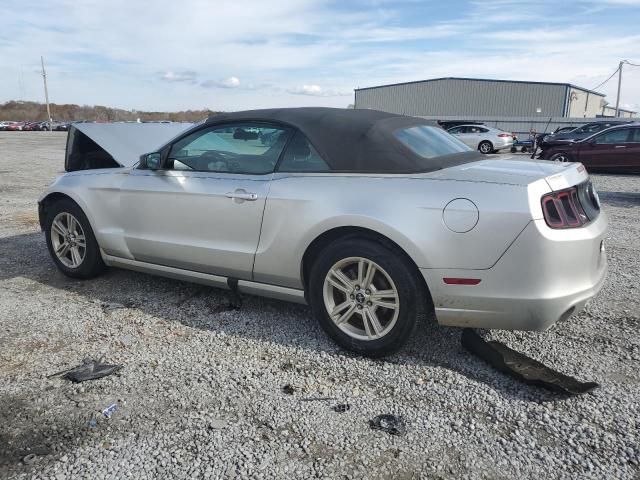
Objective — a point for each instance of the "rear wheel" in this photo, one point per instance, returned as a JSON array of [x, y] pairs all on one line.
[[71, 241], [560, 157], [367, 297], [485, 147]]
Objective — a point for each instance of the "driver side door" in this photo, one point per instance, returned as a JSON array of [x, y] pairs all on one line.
[[203, 210]]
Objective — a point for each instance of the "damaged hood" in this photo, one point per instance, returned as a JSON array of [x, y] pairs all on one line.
[[125, 142]]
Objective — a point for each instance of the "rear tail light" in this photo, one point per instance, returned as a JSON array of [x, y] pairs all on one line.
[[505, 135], [563, 209]]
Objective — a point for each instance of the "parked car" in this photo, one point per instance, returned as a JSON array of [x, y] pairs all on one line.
[[581, 132], [374, 219], [15, 126], [60, 126], [4, 125], [483, 138], [31, 126], [614, 149], [449, 124]]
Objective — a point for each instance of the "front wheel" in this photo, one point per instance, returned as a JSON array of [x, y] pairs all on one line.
[[366, 296], [71, 241], [485, 147], [560, 157]]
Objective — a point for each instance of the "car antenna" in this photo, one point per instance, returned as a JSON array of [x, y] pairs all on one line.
[[535, 141]]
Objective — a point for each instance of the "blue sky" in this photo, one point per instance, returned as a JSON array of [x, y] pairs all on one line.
[[238, 54]]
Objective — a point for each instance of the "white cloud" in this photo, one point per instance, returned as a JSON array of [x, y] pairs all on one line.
[[230, 82], [171, 76], [315, 91]]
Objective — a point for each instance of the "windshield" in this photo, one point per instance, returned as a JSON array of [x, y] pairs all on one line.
[[593, 127], [430, 142]]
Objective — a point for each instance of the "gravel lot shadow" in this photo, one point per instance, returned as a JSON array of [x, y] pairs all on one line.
[[206, 308], [620, 199], [22, 436]]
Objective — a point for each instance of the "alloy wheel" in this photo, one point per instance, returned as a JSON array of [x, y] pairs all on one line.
[[361, 298], [68, 240]]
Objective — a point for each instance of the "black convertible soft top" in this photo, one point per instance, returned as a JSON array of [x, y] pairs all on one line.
[[352, 140]]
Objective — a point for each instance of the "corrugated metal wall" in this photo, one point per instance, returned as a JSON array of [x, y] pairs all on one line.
[[446, 97]]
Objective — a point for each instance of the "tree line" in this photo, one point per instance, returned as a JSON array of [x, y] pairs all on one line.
[[35, 111]]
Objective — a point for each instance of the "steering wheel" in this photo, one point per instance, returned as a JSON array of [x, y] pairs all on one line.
[[218, 160]]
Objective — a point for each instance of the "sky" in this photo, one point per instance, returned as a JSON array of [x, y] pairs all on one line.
[[240, 54]]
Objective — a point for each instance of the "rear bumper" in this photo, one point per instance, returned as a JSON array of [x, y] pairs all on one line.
[[502, 144], [545, 276]]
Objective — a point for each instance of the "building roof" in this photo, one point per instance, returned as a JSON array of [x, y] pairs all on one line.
[[483, 80]]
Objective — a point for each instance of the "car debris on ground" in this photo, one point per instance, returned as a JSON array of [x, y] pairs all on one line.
[[88, 370], [392, 424], [518, 365]]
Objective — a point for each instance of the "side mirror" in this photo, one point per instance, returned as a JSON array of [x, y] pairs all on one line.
[[151, 161]]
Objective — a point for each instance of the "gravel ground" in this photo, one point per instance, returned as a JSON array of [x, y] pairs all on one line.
[[200, 394]]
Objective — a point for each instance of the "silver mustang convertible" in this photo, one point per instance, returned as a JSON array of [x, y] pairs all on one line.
[[373, 219]]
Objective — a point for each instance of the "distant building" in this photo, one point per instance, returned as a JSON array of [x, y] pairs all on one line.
[[473, 97]]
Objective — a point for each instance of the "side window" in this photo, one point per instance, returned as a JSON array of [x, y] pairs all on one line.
[[300, 156], [483, 130], [635, 135], [455, 130], [249, 148], [614, 136]]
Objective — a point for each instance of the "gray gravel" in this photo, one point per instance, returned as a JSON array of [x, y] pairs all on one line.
[[201, 394]]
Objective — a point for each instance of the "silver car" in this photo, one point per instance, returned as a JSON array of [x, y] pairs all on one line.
[[483, 138], [373, 219]]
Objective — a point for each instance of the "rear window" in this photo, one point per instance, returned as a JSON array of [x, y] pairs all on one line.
[[430, 142]]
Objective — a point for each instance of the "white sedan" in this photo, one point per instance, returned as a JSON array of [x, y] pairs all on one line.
[[483, 138]]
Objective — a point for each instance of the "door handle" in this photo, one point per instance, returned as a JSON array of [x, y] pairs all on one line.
[[241, 194], [620, 146]]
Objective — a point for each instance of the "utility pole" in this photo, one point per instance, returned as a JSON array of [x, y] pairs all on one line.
[[619, 84], [46, 92]]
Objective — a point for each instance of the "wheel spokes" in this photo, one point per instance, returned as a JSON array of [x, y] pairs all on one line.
[[60, 229], [371, 321], [357, 285], [339, 280], [76, 258], [385, 299], [346, 315]]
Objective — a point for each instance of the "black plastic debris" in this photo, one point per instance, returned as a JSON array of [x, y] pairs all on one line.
[[342, 407], [527, 369], [391, 424], [88, 370], [288, 389]]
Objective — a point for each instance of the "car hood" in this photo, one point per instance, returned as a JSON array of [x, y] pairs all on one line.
[[510, 170], [125, 142]]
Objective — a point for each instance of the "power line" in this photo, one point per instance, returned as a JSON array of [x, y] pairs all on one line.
[[612, 75]]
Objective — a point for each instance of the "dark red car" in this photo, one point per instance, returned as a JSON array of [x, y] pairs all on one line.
[[614, 149]]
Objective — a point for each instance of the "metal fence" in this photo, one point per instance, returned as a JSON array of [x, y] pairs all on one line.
[[523, 125]]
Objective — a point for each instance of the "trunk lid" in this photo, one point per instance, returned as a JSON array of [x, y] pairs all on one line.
[[516, 171]]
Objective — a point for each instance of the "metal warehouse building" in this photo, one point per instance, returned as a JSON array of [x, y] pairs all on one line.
[[472, 97]]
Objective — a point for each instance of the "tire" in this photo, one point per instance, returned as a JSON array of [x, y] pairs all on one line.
[[560, 157], [90, 264], [514, 149], [393, 272], [485, 147]]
